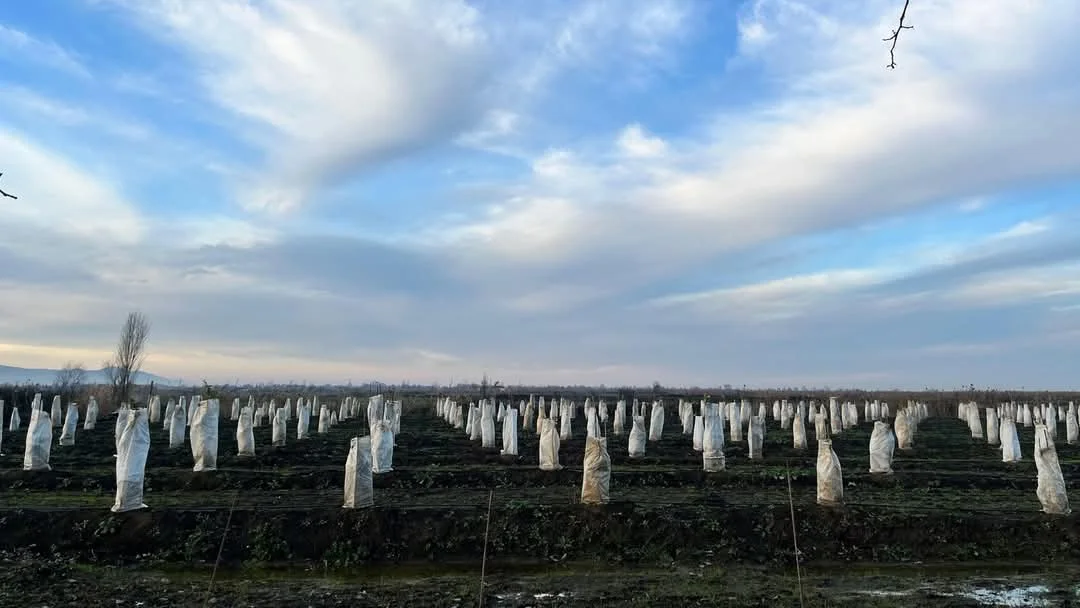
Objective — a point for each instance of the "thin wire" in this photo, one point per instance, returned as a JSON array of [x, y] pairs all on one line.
[[794, 536], [483, 562], [221, 548]]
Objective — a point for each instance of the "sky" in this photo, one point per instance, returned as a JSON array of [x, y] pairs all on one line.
[[619, 192]]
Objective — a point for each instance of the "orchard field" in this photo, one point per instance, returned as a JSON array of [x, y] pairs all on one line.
[[952, 526]]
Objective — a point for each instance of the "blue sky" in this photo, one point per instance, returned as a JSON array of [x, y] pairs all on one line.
[[589, 191]]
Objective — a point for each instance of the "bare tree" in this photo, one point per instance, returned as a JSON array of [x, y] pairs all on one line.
[[128, 359], [70, 380], [896, 36], [487, 385]]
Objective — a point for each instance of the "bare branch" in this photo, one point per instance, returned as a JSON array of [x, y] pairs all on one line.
[[69, 381], [109, 371], [128, 360], [896, 36], [209, 392], [5, 193]]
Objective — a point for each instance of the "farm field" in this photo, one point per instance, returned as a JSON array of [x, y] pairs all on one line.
[[952, 518]]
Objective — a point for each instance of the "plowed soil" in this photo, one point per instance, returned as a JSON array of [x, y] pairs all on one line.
[[951, 515]]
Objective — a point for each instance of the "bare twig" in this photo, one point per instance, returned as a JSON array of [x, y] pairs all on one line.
[[483, 561], [896, 36], [221, 548], [794, 535], [5, 193], [69, 381]]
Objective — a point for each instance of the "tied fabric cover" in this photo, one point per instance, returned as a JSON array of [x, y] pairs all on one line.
[[596, 476]]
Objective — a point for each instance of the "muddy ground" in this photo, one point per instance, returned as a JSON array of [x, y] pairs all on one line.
[[33, 582], [953, 517]]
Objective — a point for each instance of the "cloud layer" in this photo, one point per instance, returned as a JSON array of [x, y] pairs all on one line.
[[594, 192]]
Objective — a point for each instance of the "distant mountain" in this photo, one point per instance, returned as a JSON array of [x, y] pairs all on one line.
[[22, 375]]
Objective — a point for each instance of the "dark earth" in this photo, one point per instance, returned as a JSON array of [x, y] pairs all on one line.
[[950, 527]]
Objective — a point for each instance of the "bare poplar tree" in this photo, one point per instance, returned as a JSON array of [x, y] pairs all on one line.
[[69, 381], [128, 359]]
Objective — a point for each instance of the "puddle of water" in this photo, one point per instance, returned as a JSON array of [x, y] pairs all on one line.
[[1026, 596], [513, 599], [880, 593], [1021, 597]]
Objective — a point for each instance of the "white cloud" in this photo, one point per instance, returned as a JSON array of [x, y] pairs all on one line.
[[974, 204], [903, 303], [51, 357], [55, 194], [552, 298], [21, 99], [598, 32], [497, 127], [847, 141], [438, 358], [774, 300], [752, 34], [1032, 277], [1024, 229], [962, 349], [537, 230], [25, 99], [654, 24], [1010, 240], [564, 253], [33, 310], [210, 231], [117, 147], [16, 43], [144, 85], [330, 86], [1018, 286], [555, 164], [193, 363], [635, 142], [830, 379]]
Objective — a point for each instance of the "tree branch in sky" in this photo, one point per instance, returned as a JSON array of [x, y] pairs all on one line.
[[5, 193], [896, 36]]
